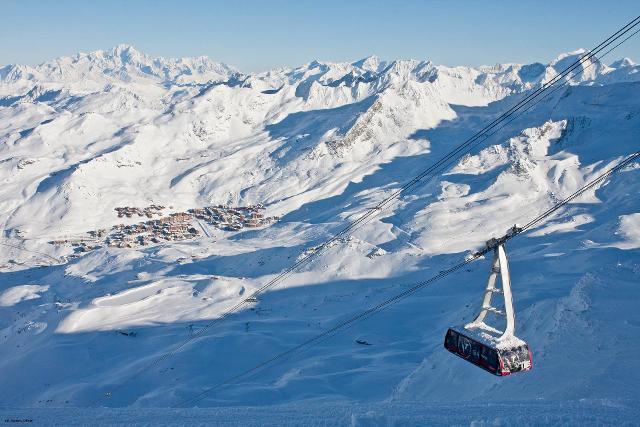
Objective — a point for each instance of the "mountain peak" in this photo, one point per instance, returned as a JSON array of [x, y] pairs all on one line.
[[588, 68], [568, 56], [370, 63], [314, 64], [126, 53], [123, 47], [122, 63], [621, 63]]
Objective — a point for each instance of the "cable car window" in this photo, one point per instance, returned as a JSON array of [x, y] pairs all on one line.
[[489, 358], [476, 349]]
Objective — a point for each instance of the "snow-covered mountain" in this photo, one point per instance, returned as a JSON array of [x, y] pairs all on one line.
[[317, 145], [123, 64]]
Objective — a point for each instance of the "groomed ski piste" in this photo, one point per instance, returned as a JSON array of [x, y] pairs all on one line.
[[318, 146]]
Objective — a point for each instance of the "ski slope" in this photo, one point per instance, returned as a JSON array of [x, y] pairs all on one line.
[[318, 145]]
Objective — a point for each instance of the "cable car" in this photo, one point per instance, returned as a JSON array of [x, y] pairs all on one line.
[[498, 352]]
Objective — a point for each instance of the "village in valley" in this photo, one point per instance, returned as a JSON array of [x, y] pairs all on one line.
[[176, 226]]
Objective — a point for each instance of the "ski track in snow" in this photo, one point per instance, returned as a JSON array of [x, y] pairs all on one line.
[[317, 145]]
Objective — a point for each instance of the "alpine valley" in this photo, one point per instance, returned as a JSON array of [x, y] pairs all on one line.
[[141, 198]]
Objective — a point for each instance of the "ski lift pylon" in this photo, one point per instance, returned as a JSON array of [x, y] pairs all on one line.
[[498, 352]]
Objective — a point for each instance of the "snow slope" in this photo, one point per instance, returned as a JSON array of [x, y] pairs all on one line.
[[317, 145]]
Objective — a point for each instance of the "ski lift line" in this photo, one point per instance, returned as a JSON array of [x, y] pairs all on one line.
[[325, 245], [581, 191], [513, 118], [585, 57], [332, 331], [29, 250], [372, 212], [379, 207], [624, 40], [419, 286]]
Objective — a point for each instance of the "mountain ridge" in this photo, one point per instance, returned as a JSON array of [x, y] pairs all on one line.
[[92, 287], [125, 59]]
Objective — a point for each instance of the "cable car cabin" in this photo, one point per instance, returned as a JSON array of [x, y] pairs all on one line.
[[499, 352], [497, 361]]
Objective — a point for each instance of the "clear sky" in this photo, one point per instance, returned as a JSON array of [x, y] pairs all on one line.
[[257, 35]]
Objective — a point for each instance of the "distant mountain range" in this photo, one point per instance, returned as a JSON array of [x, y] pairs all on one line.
[[87, 137]]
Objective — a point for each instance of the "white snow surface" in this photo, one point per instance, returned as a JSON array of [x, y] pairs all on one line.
[[318, 145], [14, 295], [629, 230]]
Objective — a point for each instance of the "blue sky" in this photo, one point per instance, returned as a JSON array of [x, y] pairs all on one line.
[[258, 35]]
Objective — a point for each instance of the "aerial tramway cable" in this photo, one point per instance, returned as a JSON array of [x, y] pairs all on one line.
[[494, 131], [417, 287], [512, 113]]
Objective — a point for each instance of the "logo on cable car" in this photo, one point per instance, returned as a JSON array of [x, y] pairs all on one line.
[[464, 346]]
